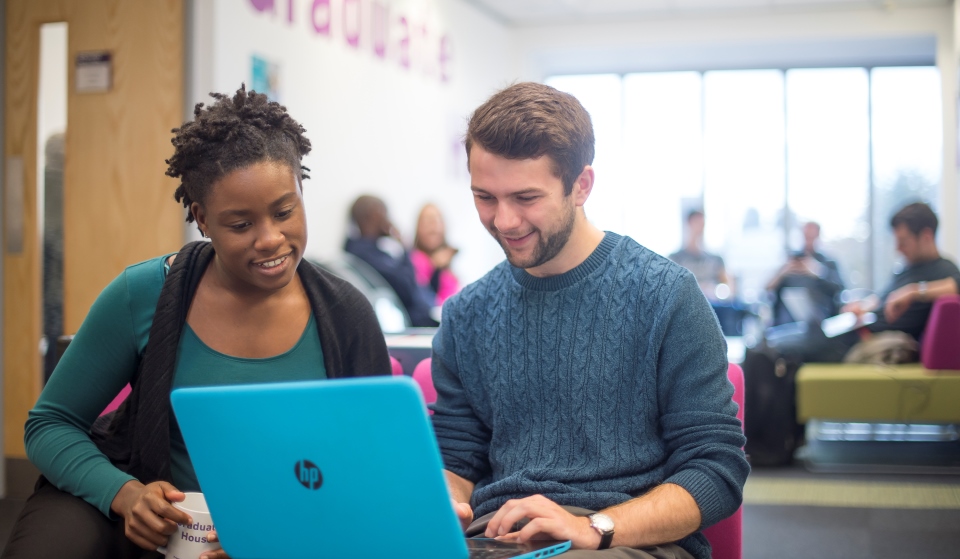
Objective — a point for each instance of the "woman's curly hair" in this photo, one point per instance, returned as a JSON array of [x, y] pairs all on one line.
[[230, 134]]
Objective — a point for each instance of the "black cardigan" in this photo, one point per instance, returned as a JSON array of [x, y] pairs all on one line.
[[136, 437]]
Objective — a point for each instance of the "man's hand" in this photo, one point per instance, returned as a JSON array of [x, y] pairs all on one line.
[[898, 301], [548, 520], [148, 515], [464, 513], [460, 492]]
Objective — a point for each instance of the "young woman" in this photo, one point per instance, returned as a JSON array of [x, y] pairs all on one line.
[[243, 307], [431, 256]]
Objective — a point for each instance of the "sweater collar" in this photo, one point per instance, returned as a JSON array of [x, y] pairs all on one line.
[[570, 277]]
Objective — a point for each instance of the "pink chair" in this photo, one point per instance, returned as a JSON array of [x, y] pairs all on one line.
[[726, 536], [939, 348], [396, 366], [117, 400], [424, 377]]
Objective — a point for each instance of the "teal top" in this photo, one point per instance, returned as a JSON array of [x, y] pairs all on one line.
[[103, 357]]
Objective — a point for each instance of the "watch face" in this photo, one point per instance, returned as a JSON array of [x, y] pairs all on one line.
[[601, 522]]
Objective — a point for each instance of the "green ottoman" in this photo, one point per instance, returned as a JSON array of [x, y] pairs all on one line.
[[876, 393]]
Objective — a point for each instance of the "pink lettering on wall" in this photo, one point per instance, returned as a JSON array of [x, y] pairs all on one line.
[[351, 22], [262, 5], [320, 16], [404, 44], [411, 41], [380, 15]]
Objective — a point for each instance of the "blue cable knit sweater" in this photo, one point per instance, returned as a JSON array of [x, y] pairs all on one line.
[[590, 388]]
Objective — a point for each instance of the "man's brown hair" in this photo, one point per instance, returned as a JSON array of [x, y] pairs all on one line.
[[917, 217], [528, 120]]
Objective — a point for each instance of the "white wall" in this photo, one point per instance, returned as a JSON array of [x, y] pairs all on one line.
[[827, 36], [376, 126]]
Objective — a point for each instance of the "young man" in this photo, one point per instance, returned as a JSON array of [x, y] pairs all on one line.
[[904, 305], [584, 374], [908, 300], [708, 268]]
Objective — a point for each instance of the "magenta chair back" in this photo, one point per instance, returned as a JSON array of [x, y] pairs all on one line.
[[726, 536], [424, 377], [395, 366], [939, 347]]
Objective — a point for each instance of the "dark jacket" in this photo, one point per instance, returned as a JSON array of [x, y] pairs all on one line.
[[136, 437]]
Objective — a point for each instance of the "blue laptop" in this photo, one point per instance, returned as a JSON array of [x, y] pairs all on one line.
[[327, 469]]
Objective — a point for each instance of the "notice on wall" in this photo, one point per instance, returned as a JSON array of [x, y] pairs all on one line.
[[94, 72], [265, 77]]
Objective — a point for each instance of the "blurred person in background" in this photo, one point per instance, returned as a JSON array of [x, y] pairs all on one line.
[[904, 305], [708, 268], [808, 269], [907, 301], [431, 255], [379, 245]]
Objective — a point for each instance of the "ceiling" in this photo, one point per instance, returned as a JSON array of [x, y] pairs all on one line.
[[527, 12]]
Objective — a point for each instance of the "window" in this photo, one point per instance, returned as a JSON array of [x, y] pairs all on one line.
[[762, 152]]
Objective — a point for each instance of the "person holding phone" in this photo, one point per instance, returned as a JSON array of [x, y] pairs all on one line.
[[812, 270]]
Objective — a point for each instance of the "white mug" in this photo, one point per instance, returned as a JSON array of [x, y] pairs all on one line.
[[189, 541]]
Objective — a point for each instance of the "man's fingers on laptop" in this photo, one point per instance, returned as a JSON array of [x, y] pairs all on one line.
[[548, 520], [574, 528], [515, 510], [464, 513]]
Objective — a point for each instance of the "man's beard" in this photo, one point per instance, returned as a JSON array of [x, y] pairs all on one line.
[[547, 247]]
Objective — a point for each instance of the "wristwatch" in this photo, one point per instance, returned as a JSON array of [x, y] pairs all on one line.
[[922, 290], [603, 524]]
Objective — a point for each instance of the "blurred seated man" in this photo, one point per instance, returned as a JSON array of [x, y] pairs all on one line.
[[378, 246], [813, 271], [708, 268], [905, 305]]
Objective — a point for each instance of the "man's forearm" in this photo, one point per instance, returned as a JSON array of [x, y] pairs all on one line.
[[665, 514], [460, 489]]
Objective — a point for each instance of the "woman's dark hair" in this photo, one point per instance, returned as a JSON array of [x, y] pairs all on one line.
[[230, 134]]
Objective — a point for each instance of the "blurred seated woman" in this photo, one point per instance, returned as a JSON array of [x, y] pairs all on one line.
[[244, 307], [432, 256]]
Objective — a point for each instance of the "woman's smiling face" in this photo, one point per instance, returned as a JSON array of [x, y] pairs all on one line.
[[255, 219]]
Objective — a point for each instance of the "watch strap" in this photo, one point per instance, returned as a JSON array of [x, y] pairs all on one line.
[[605, 539]]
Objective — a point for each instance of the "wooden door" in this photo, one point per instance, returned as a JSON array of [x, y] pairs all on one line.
[[118, 204]]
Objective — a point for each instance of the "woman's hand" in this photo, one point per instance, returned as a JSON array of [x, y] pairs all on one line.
[[217, 554], [148, 515], [442, 257]]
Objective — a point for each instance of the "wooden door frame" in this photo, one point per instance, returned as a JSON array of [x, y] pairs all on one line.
[[118, 206]]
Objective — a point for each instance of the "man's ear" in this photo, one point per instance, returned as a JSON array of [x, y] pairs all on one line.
[[583, 186]]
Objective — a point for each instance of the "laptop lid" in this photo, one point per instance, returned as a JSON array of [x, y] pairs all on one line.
[[332, 468]]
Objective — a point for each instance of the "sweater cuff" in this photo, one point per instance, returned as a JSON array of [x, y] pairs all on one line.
[[704, 492], [109, 493]]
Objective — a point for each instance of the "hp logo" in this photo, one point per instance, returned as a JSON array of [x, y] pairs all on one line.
[[308, 474]]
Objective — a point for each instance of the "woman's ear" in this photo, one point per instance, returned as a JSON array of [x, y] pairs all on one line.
[[199, 216]]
